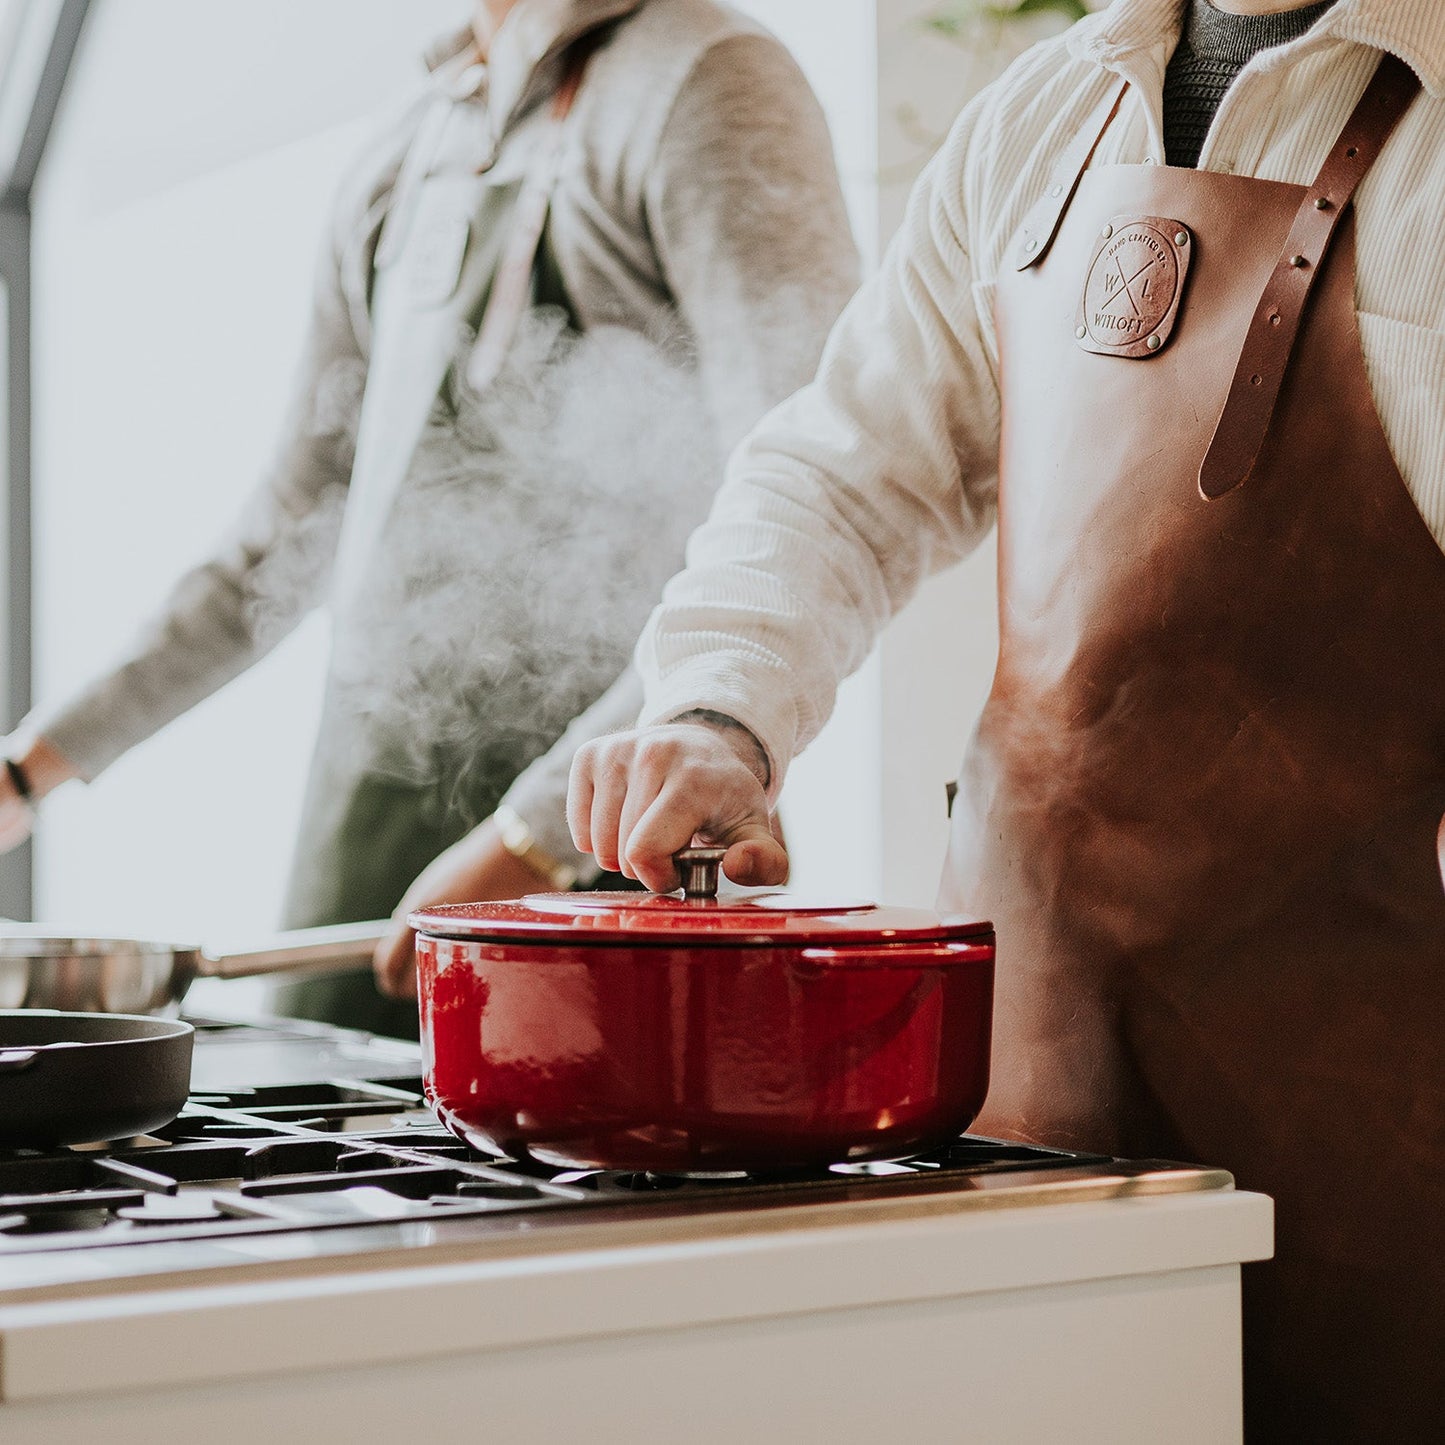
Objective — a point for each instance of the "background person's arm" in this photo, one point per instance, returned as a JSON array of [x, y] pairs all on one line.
[[745, 211], [480, 867], [43, 768]]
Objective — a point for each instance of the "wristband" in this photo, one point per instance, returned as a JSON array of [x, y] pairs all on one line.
[[20, 781], [517, 839]]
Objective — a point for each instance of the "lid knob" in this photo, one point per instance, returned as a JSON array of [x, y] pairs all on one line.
[[698, 868]]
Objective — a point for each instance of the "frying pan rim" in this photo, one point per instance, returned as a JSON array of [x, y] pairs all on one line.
[[155, 1028]]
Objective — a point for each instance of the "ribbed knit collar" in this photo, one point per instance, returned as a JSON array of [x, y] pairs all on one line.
[[1412, 29], [1215, 34]]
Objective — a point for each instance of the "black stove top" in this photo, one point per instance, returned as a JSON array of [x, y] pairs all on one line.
[[334, 1136]]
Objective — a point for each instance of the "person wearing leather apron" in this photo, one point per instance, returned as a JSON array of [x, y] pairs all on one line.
[[1204, 801], [651, 179]]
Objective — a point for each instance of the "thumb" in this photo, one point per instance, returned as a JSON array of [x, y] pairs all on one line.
[[754, 857]]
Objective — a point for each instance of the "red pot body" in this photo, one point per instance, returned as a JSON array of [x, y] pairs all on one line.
[[705, 1057]]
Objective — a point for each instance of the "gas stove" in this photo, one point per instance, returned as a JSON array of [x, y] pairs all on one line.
[[305, 1246], [304, 1148]]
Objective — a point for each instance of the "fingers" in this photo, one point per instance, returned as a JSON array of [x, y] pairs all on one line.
[[637, 798], [611, 782], [478, 868], [656, 762], [754, 858], [665, 827], [579, 796], [614, 780]]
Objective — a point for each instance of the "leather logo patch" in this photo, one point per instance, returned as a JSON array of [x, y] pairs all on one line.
[[1133, 287]]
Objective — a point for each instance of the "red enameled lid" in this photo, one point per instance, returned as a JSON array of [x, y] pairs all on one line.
[[728, 921]]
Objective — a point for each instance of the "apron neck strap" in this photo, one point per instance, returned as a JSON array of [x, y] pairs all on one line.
[[511, 290], [1033, 238], [1264, 360]]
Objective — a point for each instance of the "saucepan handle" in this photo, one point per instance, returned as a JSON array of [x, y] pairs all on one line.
[[338, 949]]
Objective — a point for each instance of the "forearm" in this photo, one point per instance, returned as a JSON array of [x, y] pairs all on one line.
[[220, 618], [820, 535], [264, 575], [273, 566]]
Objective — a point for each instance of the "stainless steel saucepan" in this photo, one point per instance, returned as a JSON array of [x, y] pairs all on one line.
[[39, 969]]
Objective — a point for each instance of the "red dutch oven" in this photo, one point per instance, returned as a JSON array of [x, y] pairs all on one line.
[[686, 1033]]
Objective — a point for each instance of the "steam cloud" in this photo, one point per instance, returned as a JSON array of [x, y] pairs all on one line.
[[521, 559]]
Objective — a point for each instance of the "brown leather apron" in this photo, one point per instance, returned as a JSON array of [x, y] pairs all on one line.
[[1202, 801]]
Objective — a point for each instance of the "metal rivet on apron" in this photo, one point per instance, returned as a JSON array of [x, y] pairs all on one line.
[[1255, 380], [1298, 261], [1153, 343], [1107, 232], [1274, 318], [1181, 238], [1081, 332], [1322, 203]]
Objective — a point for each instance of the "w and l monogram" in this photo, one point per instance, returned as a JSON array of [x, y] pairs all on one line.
[[1133, 289]]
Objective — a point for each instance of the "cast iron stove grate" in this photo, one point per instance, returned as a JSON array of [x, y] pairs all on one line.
[[283, 1158]]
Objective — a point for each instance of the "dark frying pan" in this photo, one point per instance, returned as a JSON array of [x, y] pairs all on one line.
[[81, 1078]]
